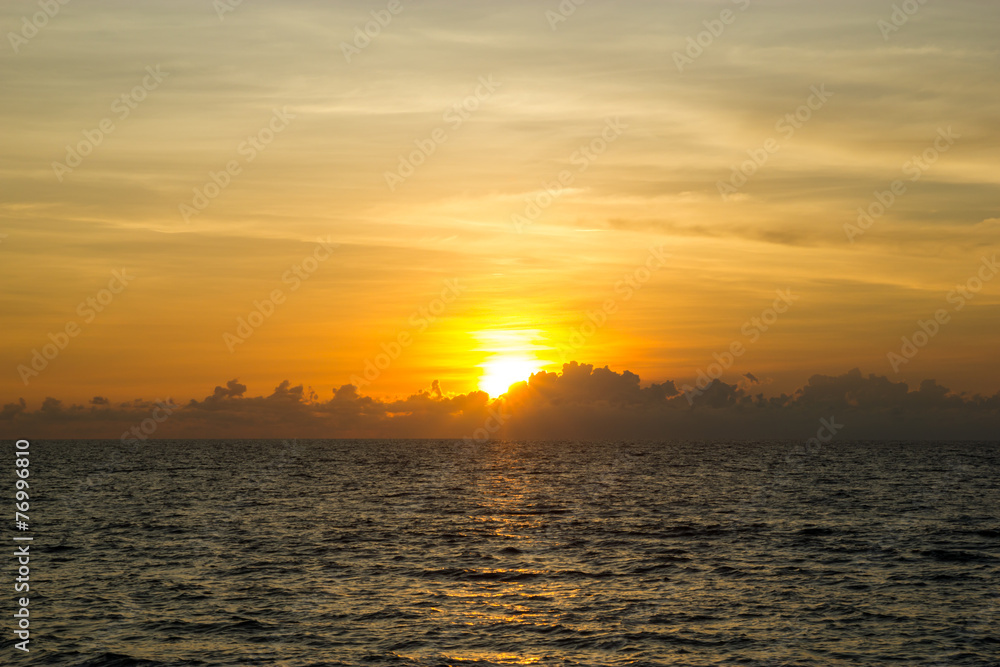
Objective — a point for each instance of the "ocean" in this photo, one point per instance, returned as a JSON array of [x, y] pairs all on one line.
[[297, 553]]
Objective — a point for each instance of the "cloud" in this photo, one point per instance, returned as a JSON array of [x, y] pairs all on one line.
[[233, 389], [11, 409], [657, 185], [580, 402]]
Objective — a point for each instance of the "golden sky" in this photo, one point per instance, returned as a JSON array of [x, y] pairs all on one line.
[[465, 191]]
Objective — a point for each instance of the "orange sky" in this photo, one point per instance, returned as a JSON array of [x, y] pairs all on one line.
[[481, 183]]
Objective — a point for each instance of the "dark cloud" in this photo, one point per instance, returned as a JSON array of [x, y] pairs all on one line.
[[12, 409], [233, 389], [581, 402]]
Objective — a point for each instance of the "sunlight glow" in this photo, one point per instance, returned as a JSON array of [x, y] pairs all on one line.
[[510, 355], [500, 372]]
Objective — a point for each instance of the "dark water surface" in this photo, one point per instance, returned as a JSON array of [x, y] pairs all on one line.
[[437, 553]]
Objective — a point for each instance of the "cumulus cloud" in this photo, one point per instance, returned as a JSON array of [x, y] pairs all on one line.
[[233, 389], [11, 409], [580, 402]]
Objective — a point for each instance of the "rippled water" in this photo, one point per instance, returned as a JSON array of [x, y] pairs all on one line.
[[434, 553]]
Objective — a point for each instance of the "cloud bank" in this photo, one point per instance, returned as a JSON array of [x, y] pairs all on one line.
[[583, 402]]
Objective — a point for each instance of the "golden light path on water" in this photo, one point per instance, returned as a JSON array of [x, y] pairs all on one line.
[[505, 499], [616, 553]]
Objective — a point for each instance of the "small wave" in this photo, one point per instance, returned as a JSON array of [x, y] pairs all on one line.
[[950, 556], [118, 660], [460, 574]]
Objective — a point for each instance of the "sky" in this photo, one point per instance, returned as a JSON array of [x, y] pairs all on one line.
[[195, 193]]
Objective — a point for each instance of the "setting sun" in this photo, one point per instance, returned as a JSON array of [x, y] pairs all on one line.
[[511, 356], [501, 372], [533, 329]]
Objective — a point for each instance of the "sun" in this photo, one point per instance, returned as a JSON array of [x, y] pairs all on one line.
[[510, 355], [499, 373]]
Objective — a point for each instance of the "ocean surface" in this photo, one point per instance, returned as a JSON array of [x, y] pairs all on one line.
[[298, 553]]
